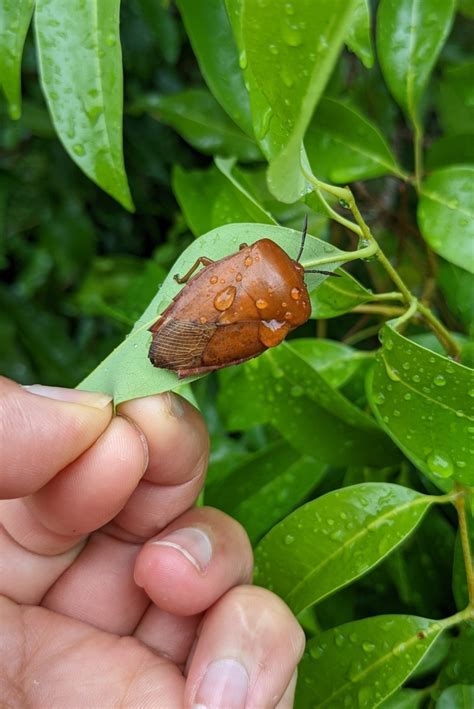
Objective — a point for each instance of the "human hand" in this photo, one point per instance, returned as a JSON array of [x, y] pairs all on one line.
[[116, 591]]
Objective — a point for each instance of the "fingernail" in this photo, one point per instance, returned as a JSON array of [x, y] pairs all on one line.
[[225, 684], [192, 543], [72, 396], [175, 405]]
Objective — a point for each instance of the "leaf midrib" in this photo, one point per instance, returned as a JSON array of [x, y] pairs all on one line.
[[360, 534]]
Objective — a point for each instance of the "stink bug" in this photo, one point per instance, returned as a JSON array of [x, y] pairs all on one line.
[[232, 310]]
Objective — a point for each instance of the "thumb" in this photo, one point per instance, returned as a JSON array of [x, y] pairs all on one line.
[[43, 429]]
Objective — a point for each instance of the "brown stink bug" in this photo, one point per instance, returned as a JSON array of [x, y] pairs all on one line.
[[232, 310]]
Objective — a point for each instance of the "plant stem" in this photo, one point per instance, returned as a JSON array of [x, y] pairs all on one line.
[[389, 311], [443, 335], [418, 144], [388, 296], [342, 257], [345, 195], [460, 504]]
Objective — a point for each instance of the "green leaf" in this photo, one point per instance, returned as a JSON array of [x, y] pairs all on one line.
[[80, 62], [460, 590], [199, 119], [359, 39], [335, 539], [209, 198], [114, 374], [335, 362], [289, 51], [457, 286], [15, 18], [459, 696], [210, 33], [312, 416], [405, 699], [410, 36], [256, 211], [446, 214], [336, 296], [451, 150], [343, 146], [456, 98], [424, 402], [361, 663], [265, 486]]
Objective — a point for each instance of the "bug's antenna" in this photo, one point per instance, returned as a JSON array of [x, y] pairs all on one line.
[[326, 273], [303, 237]]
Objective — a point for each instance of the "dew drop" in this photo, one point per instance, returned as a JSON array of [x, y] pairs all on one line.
[[248, 261], [79, 150], [471, 393], [238, 277], [368, 647], [213, 280], [225, 298], [292, 36], [440, 464], [379, 398], [295, 293], [297, 390], [439, 380], [261, 304], [289, 539], [288, 315], [243, 59], [202, 320]]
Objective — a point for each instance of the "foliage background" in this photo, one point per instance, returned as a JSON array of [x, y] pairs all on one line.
[[78, 270]]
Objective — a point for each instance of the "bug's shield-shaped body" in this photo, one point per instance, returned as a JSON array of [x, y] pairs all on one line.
[[231, 311]]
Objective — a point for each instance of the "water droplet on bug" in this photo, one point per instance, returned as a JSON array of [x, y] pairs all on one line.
[[213, 280], [202, 319], [295, 293], [225, 298], [238, 277], [272, 332], [248, 261], [261, 304], [288, 315]]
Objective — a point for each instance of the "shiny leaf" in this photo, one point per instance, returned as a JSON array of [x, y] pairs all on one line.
[[289, 51], [338, 295], [80, 62], [265, 486], [358, 38], [446, 214], [343, 146], [210, 32], [424, 401], [15, 17], [334, 539], [198, 118], [410, 36], [459, 696], [361, 663]]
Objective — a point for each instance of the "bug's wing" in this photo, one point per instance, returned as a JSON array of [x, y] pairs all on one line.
[[180, 343]]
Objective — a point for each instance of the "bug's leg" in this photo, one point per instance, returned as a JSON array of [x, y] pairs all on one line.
[[325, 273], [243, 246], [303, 237], [202, 260]]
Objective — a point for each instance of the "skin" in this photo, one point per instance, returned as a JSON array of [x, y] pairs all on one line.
[[95, 613]]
